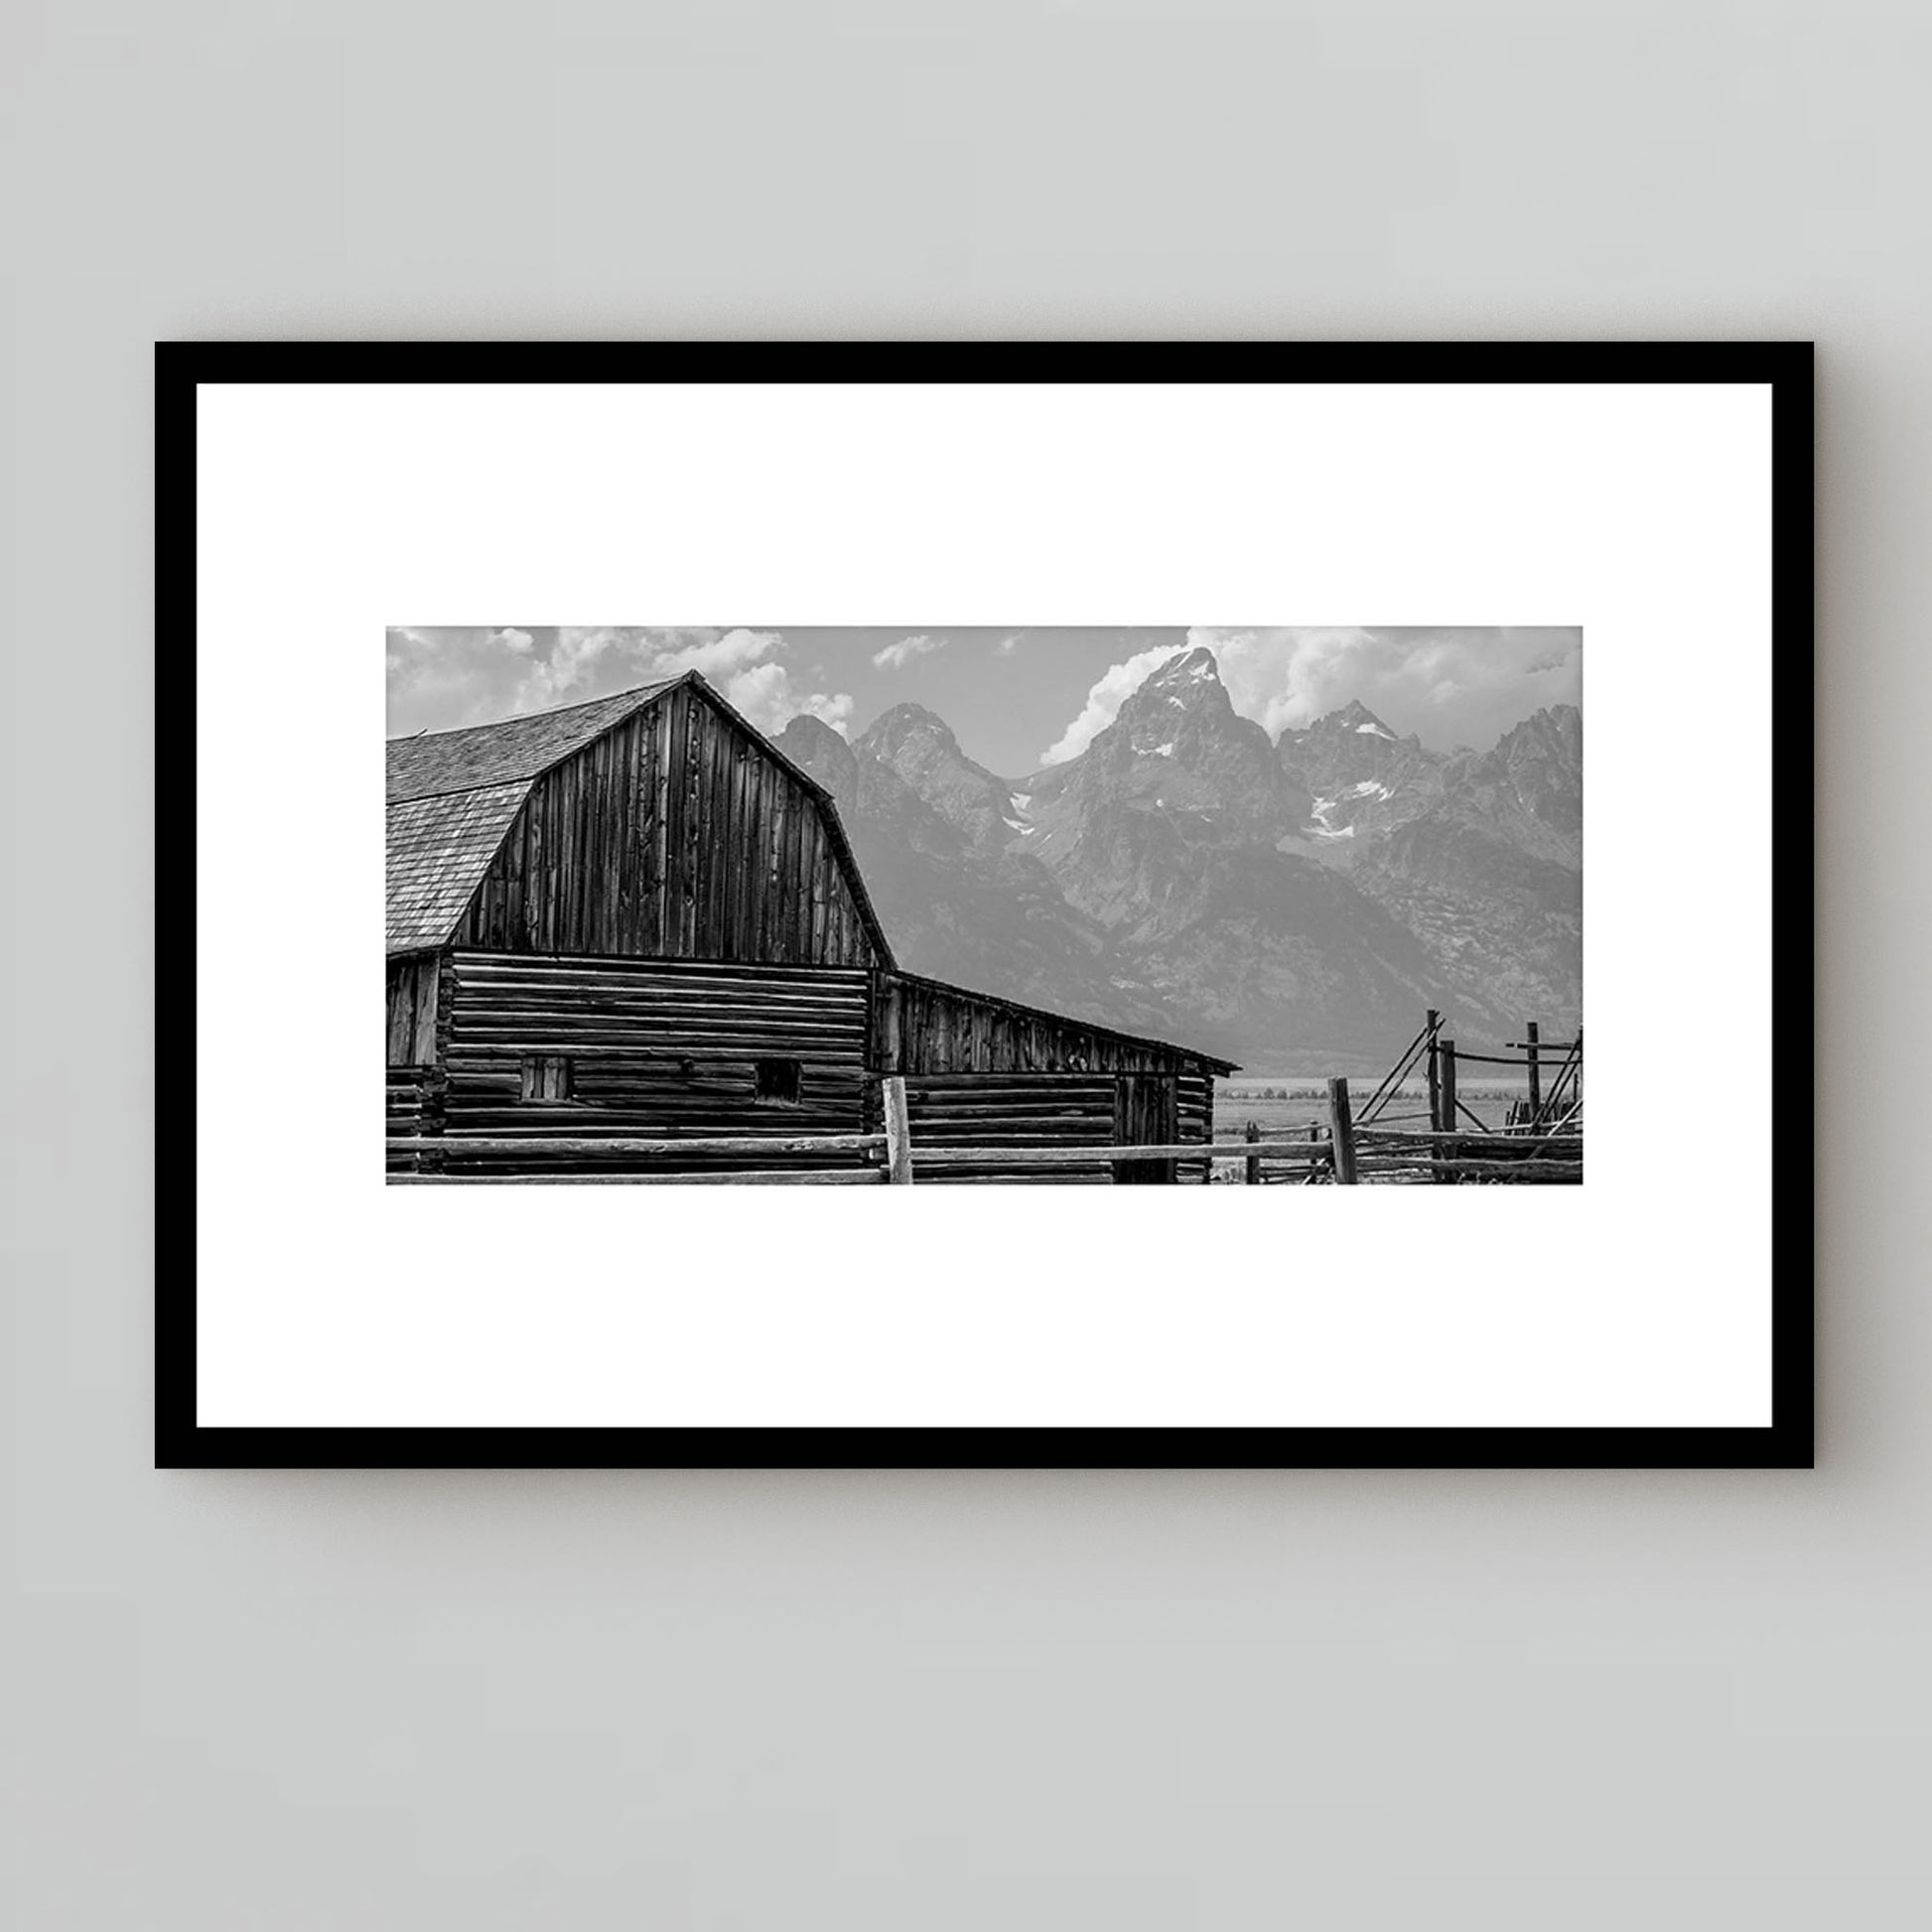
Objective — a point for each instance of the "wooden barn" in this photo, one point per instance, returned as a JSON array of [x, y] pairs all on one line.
[[637, 917]]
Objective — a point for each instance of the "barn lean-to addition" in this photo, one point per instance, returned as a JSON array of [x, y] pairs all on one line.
[[637, 917]]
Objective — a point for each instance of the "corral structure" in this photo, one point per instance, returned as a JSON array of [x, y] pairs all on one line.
[[638, 919]]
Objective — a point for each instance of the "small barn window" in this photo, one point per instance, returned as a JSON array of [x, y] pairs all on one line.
[[546, 1076], [777, 1082]]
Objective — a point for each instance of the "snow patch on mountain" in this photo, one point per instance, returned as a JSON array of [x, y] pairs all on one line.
[[1378, 732], [1322, 827]]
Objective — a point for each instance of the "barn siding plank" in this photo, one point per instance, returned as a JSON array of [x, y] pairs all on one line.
[[678, 1053]]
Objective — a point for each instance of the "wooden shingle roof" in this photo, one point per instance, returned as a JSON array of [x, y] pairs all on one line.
[[436, 762], [438, 851], [452, 796]]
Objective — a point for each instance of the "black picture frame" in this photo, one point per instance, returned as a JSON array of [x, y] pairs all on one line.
[[1785, 367]]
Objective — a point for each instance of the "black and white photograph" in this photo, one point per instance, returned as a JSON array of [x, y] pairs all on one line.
[[1003, 776], [765, 902]]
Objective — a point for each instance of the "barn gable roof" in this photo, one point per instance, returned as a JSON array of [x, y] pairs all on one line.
[[453, 795], [434, 764]]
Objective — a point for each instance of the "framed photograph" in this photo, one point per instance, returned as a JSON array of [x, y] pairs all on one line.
[[865, 837]]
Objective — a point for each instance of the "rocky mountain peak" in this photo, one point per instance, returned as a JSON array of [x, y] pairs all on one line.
[[1554, 734], [819, 752], [1558, 724], [1188, 668], [1354, 718], [1534, 776], [905, 724], [917, 746], [1186, 690], [1360, 775], [1175, 751]]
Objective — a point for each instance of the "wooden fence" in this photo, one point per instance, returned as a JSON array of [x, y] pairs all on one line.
[[1544, 1110], [1346, 1154]]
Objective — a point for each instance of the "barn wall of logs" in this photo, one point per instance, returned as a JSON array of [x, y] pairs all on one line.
[[583, 1047], [676, 835], [412, 1097], [985, 1072], [1195, 1109], [1071, 1111], [544, 1048]]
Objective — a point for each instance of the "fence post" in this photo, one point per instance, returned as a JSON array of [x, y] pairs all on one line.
[[1536, 1078], [1444, 1148], [1341, 1124], [1435, 1020], [431, 1121], [899, 1136], [1252, 1176]]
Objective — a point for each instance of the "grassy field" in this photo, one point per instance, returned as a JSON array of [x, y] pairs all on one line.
[[1286, 1106], [1290, 1103]]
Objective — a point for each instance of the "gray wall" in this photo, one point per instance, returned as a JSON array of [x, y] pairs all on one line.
[[264, 1702]]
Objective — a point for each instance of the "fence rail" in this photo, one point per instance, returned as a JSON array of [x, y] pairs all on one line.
[[1346, 1153], [628, 1144]]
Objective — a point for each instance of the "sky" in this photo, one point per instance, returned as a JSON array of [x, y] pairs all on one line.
[[1017, 698]]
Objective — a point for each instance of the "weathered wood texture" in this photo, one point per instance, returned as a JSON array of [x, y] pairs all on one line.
[[1341, 1130], [1194, 1120], [1039, 1112], [655, 1047], [983, 1071], [412, 1097], [412, 982], [438, 848], [1019, 1122], [1110, 1155], [676, 834], [736, 1176], [1146, 1113], [899, 1134], [922, 1026]]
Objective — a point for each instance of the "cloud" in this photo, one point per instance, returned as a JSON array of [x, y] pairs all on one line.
[[834, 710], [1110, 691], [894, 657], [1009, 644], [715, 655], [448, 676], [764, 694], [577, 668], [1461, 685]]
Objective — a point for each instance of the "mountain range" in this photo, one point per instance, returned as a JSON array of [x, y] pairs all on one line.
[[1292, 903]]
